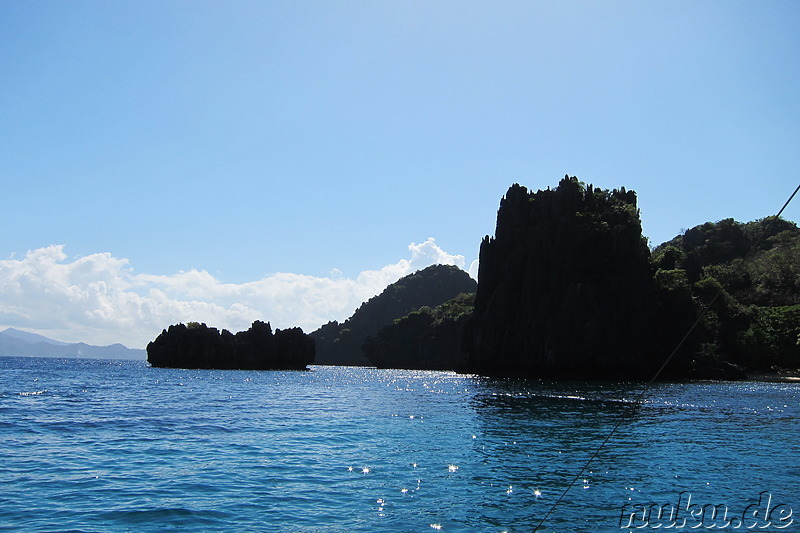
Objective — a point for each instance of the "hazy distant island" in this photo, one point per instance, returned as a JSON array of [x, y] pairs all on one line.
[[15, 342], [196, 345], [568, 288]]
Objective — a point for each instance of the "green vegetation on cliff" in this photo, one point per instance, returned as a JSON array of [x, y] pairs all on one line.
[[755, 321]]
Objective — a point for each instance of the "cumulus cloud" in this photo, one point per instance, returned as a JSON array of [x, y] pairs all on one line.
[[473, 270], [99, 298]]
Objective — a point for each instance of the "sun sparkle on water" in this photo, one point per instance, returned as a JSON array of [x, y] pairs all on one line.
[[305, 451]]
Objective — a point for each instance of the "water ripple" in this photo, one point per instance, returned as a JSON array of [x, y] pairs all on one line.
[[125, 447]]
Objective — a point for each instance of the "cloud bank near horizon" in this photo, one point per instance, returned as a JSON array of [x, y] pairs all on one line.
[[99, 299]]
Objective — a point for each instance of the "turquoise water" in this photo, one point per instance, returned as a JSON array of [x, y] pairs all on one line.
[[90, 445]]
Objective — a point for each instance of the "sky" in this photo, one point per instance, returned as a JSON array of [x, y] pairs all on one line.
[[225, 162]]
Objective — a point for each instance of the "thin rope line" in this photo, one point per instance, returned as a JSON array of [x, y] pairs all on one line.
[[638, 400]]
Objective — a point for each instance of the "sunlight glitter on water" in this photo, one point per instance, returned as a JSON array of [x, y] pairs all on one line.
[[266, 451]]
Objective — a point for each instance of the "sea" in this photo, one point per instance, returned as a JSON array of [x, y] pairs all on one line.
[[117, 446]]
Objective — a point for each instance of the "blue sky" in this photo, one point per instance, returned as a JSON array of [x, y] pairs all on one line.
[[153, 151]]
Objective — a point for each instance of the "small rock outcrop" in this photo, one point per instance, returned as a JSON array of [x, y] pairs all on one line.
[[341, 343], [565, 287], [198, 346]]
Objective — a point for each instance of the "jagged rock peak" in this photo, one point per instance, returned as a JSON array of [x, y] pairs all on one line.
[[196, 345], [564, 285]]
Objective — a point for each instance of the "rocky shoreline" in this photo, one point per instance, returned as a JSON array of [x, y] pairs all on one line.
[[775, 376]]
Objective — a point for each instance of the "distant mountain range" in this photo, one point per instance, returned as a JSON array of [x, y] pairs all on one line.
[[16, 342]]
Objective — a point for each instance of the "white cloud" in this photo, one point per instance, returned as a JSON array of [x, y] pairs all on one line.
[[473, 270], [428, 253], [100, 300]]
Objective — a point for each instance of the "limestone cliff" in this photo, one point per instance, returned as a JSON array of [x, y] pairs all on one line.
[[198, 346], [565, 287]]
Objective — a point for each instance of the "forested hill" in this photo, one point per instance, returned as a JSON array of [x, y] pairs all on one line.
[[771, 276], [425, 339], [341, 344], [755, 322]]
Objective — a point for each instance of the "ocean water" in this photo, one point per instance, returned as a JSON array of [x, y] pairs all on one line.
[[106, 446]]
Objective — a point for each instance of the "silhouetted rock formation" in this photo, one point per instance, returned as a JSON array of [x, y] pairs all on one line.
[[426, 339], [341, 344], [565, 287], [198, 346]]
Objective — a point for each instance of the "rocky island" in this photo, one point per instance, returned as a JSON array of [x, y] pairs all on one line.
[[565, 287], [568, 288], [199, 346]]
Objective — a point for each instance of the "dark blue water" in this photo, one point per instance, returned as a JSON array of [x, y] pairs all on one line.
[[91, 445]]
